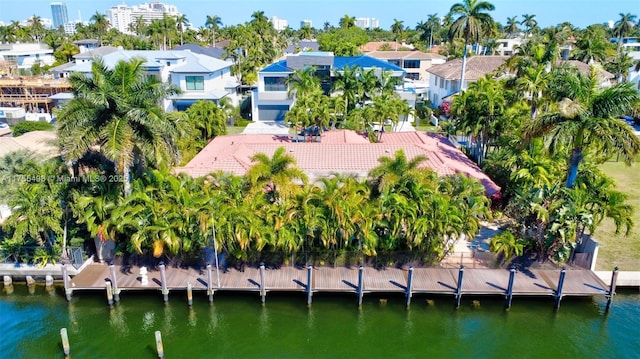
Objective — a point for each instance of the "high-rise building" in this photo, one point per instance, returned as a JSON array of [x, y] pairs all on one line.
[[278, 24], [362, 22], [59, 14], [121, 16], [374, 23], [304, 23]]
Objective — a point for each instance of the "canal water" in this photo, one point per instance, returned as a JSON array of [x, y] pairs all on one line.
[[239, 326]]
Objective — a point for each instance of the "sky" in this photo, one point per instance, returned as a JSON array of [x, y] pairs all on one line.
[[580, 13]]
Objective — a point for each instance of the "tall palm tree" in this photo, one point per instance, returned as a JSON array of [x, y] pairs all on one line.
[[115, 112], [433, 24], [512, 26], [623, 27], [473, 19], [348, 82], [303, 82], [181, 22], [530, 22], [397, 28], [347, 21], [585, 120], [326, 26], [100, 23], [36, 27], [305, 32], [213, 23]]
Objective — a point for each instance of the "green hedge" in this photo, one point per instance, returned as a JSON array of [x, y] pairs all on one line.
[[27, 126]]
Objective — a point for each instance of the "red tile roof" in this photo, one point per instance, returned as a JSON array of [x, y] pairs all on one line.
[[340, 151]]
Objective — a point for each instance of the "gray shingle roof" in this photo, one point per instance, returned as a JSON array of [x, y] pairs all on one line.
[[477, 67]]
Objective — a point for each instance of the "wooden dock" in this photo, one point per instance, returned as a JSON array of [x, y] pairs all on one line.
[[442, 281]]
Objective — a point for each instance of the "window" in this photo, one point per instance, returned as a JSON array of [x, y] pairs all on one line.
[[413, 76], [275, 84], [394, 62], [411, 64], [195, 83]]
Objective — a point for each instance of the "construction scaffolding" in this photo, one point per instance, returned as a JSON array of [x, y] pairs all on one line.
[[31, 93]]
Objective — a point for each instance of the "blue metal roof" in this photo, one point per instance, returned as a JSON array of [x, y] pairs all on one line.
[[280, 66]]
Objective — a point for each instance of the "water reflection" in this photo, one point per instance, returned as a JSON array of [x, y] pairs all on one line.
[[360, 323], [8, 289], [168, 319], [265, 324], [117, 320], [214, 319], [192, 319], [148, 321]]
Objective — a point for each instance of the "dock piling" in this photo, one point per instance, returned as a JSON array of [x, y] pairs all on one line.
[[360, 284], [159, 346], [263, 290], [512, 276], [109, 292], [163, 282], [459, 286], [48, 281], [7, 280], [30, 280], [612, 288], [209, 284], [114, 282], [409, 284], [189, 294], [309, 282], [65, 342], [65, 279], [563, 273]]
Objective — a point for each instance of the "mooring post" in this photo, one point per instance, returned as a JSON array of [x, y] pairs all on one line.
[[8, 280], [189, 294], [159, 346], [409, 284], [309, 281], [360, 284], [263, 290], [30, 281], [65, 279], [459, 286], [48, 280], [563, 273], [512, 277], [109, 292], [163, 282], [114, 282], [209, 283], [612, 288], [65, 341]]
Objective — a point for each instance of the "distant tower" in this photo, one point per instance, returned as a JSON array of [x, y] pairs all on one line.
[[59, 14]]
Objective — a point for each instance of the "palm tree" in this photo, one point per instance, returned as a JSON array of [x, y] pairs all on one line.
[[397, 29], [100, 23], [584, 120], [326, 26], [303, 82], [433, 24], [36, 27], [305, 32], [512, 26], [391, 170], [138, 26], [623, 27], [115, 112], [592, 45], [181, 22], [348, 82], [530, 22], [347, 21], [276, 176], [213, 23], [471, 23]]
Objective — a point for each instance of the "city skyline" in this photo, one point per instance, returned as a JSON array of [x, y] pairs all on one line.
[[580, 13]]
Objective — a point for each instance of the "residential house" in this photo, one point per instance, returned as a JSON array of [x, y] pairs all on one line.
[[507, 47], [302, 46], [198, 76], [445, 79], [415, 63], [381, 45], [271, 99], [27, 55], [214, 52], [338, 152]]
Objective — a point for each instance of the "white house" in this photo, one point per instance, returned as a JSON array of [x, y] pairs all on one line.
[[198, 76], [27, 55]]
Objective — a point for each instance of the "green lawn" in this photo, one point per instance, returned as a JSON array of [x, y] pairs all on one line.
[[618, 250]]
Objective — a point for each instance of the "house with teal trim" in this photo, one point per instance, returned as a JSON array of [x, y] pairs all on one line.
[[271, 98]]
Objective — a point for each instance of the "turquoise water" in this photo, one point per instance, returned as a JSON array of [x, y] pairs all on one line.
[[238, 326]]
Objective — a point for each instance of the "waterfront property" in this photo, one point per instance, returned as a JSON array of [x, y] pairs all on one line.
[[358, 280], [335, 152]]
